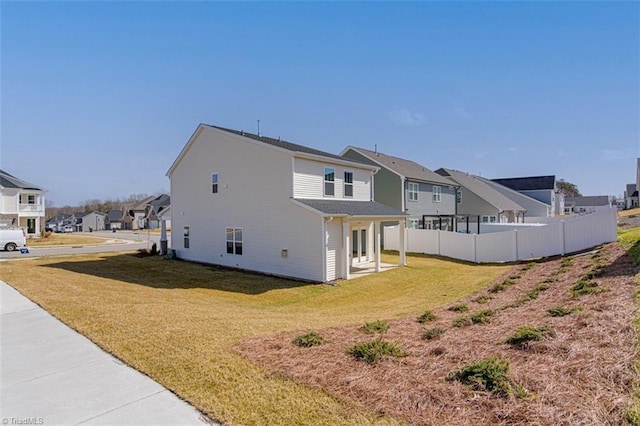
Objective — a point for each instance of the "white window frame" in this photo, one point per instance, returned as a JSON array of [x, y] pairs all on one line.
[[414, 223], [458, 196], [413, 189], [235, 236], [437, 193], [348, 184], [329, 171], [489, 219], [215, 183], [185, 242]]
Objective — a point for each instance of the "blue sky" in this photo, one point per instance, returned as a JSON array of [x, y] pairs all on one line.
[[98, 98]]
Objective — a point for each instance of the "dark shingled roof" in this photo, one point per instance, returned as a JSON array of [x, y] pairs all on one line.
[[10, 181], [532, 183], [588, 200], [407, 168], [351, 208], [115, 215], [283, 144]]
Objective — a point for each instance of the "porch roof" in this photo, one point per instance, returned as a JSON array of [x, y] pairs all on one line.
[[351, 208]]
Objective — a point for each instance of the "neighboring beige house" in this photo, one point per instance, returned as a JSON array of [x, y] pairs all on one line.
[[135, 217], [22, 204], [90, 221]]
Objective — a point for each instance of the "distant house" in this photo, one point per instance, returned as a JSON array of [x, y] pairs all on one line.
[[585, 204], [480, 201], [114, 219], [154, 208], [541, 188], [135, 215], [59, 222], [428, 198], [90, 221], [22, 204], [263, 204], [631, 198]]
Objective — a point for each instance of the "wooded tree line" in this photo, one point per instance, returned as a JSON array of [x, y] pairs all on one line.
[[96, 204]]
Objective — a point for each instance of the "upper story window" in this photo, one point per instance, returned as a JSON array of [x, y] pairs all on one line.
[[329, 181], [27, 199], [413, 191], [348, 184], [437, 193], [214, 183], [234, 241]]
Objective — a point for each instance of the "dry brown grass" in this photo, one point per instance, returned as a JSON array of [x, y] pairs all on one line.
[[64, 239], [583, 375]]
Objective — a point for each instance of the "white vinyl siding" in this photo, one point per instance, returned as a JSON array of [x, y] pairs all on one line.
[[308, 180], [271, 220], [334, 248]]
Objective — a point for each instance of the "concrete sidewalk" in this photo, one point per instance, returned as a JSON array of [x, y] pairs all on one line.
[[52, 375]]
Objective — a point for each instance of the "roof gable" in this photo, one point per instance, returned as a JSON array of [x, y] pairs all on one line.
[[10, 181], [405, 168], [276, 143]]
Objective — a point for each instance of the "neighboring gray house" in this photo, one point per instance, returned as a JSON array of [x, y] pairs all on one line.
[[541, 188], [155, 208], [91, 221], [585, 204], [114, 219], [428, 198], [480, 202], [631, 198], [135, 216], [58, 222]]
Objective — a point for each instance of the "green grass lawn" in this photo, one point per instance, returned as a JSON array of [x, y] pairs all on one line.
[[178, 322]]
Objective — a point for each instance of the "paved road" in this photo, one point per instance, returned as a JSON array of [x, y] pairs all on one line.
[[52, 375], [116, 241]]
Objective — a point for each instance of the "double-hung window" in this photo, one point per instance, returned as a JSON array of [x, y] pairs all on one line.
[[214, 183], [413, 189], [348, 184], [186, 237], [437, 193], [234, 241], [329, 181], [458, 196], [489, 219]]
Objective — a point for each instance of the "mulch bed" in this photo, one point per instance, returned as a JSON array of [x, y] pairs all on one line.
[[582, 375], [628, 222]]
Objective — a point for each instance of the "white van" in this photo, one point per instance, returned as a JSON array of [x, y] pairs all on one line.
[[12, 238]]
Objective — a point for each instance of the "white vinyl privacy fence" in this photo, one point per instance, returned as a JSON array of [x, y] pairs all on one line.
[[558, 237]]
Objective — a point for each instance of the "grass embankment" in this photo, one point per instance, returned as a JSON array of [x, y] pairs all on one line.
[[630, 240], [178, 322], [630, 212], [64, 239]]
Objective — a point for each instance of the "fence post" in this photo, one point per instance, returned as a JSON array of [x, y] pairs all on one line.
[[439, 253], [475, 252], [564, 248], [515, 244]]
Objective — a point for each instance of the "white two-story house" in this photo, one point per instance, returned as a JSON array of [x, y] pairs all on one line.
[[262, 204], [22, 204]]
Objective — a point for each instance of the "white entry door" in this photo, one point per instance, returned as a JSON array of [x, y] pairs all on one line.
[[358, 245]]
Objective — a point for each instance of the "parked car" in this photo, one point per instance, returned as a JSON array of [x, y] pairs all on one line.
[[67, 229], [12, 238]]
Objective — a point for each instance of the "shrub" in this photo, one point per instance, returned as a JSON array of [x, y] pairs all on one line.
[[459, 308], [426, 317], [488, 375], [498, 287], [308, 340], [566, 262], [584, 286], [375, 327], [528, 266], [482, 299], [432, 333], [526, 334], [462, 322], [515, 276], [560, 311], [372, 351], [532, 294], [154, 249], [482, 317]]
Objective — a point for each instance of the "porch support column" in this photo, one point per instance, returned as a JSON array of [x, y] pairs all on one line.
[[402, 230], [346, 247], [376, 230]]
